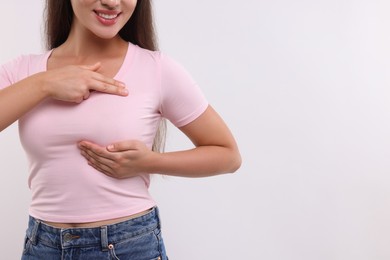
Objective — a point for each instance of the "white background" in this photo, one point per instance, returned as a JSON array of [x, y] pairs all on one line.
[[304, 87]]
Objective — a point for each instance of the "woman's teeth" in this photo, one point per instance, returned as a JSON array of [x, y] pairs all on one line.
[[108, 16]]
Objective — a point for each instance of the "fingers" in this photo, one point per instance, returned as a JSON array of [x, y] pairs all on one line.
[[117, 164], [110, 88], [108, 85], [102, 168], [94, 150], [95, 154], [100, 159], [97, 161], [86, 95], [123, 146], [100, 164], [104, 84]]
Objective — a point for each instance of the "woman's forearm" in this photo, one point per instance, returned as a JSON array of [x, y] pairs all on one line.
[[201, 161]]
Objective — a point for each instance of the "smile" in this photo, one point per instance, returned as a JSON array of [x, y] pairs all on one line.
[[108, 16]]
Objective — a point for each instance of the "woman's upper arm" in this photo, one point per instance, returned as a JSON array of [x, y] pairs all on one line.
[[209, 129]]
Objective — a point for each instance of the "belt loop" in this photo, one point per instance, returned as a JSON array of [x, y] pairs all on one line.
[[34, 232], [104, 238]]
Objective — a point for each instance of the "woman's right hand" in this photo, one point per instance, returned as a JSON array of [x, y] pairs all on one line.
[[74, 83]]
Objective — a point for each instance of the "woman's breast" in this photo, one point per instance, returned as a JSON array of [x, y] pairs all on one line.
[[53, 128]]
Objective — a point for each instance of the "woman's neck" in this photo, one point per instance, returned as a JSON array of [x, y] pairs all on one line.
[[85, 44], [86, 51]]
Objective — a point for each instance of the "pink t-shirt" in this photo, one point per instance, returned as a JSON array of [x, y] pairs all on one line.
[[64, 187]]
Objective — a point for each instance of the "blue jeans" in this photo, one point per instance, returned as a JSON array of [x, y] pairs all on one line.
[[135, 239]]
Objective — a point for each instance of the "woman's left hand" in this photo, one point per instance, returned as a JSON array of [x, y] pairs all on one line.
[[119, 160]]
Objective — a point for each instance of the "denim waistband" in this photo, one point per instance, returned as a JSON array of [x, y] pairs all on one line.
[[83, 237]]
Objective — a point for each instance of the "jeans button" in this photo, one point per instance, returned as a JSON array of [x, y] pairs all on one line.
[[69, 237]]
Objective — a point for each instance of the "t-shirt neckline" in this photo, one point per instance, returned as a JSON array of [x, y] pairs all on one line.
[[125, 63]]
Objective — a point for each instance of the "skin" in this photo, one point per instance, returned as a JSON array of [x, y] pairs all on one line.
[[84, 63], [215, 153], [69, 78]]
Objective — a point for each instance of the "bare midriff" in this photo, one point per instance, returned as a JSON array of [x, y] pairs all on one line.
[[96, 223]]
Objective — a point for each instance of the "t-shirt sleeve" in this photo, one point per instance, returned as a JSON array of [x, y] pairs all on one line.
[[5, 80], [8, 72], [182, 101]]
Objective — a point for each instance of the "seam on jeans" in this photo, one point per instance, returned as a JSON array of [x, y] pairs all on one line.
[[157, 233], [135, 235], [112, 252]]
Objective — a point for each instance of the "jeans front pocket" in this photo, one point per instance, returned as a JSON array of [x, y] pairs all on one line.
[[161, 246], [142, 247], [26, 245]]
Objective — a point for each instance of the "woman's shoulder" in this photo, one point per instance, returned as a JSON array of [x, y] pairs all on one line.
[[159, 57], [26, 59], [143, 53], [24, 65]]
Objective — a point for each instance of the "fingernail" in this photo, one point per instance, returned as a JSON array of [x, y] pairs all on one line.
[[110, 147], [121, 84], [124, 92]]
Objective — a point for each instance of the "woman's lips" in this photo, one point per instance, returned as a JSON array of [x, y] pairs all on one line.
[[107, 17]]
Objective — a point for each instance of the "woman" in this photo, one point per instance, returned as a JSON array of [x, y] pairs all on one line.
[[89, 110]]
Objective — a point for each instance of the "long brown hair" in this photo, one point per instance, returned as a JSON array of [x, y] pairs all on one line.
[[139, 30]]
